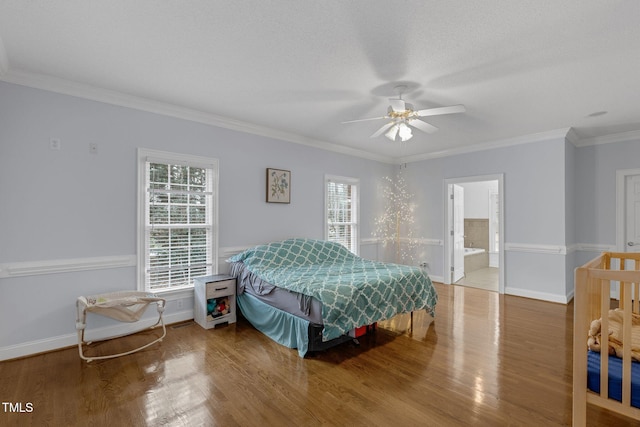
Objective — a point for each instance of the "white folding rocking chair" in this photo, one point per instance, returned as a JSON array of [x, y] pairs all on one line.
[[126, 306]]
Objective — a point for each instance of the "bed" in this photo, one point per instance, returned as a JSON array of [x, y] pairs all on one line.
[[312, 294], [606, 366]]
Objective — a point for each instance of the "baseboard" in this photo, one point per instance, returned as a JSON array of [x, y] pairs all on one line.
[[56, 343], [544, 296], [439, 279]]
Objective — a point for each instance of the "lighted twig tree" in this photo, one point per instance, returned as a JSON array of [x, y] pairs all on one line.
[[397, 219]]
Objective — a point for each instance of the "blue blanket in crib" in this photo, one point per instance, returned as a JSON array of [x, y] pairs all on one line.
[[615, 377]]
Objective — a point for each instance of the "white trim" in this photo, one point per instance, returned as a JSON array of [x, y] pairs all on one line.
[[229, 251], [419, 240], [71, 340], [438, 279], [225, 253], [342, 179], [235, 250], [573, 137], [428, 242], [544, 296], [621, 177], [592, 247], [32, 268], [68, 87], [519, 140], [369, 241], [609, 139], [156, 156], [557, 249], [569, 134], [4, 60], [535, 248]]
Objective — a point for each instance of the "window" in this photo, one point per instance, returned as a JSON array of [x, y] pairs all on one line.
[[341, 209], [178, 219]]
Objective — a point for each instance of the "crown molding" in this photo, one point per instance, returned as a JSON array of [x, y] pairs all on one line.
[[573, 137], [4, 60], [509, 142], [609, 139], [67, 87]]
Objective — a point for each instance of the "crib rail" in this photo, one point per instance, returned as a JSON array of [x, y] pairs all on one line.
[[610, 277]]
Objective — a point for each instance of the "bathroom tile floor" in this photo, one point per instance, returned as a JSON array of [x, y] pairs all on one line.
[[483, 278]]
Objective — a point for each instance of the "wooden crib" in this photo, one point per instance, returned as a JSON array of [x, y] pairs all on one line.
[[611, 280]]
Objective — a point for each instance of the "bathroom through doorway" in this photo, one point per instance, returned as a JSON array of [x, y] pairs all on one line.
[[475, 232]]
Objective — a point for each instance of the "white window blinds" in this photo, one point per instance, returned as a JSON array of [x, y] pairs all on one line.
[[342, 212], [179, 224]]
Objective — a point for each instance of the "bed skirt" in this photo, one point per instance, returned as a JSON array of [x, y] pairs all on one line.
[[285, 328]]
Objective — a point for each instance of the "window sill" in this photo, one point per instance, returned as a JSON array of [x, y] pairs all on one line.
[[175, 294]]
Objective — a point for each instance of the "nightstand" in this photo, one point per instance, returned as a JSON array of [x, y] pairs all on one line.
[[214, 300]]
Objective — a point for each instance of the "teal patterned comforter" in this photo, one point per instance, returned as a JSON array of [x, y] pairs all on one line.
[[353, 291]]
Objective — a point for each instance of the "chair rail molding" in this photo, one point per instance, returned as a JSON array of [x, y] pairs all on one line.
[[32, 268], [558, 249]]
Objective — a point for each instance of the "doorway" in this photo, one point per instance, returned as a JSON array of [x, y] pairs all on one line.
[[474, 232], [628, 210]]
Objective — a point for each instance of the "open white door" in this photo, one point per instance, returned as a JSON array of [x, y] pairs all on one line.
[[458, 233], [632, 203]]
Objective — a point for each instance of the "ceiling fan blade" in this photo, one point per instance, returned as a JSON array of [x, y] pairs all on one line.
[[382, 129], [441, 110], [423, 126], [365, 120], [397, 105]]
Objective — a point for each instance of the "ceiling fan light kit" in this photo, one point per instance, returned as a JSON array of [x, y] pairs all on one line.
[[404, 132], [402, 116]]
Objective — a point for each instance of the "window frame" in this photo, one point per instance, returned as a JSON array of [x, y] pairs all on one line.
[[355, 200], [146, 156]]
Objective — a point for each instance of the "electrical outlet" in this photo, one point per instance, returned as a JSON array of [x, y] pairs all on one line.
[[93, 148], [179, 303], [54, 144]]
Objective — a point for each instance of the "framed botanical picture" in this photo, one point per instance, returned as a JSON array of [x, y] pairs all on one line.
[[278, 186]]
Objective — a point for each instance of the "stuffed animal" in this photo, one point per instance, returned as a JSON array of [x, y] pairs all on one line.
[[211, 306], [615, 334], [222, 307]]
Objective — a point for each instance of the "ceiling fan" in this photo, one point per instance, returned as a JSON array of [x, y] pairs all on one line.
[[402, 116]]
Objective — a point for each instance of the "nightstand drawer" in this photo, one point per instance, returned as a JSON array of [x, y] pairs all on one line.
[[221, 289]]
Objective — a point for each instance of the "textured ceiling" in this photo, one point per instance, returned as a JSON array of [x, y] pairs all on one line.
[[297, 69]]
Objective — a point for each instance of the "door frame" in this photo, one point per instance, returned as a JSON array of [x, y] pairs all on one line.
[[448, 224], [456, 252], [621, 225]]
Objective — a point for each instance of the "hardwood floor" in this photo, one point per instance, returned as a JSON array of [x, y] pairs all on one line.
[[487, 360], [483, 278]]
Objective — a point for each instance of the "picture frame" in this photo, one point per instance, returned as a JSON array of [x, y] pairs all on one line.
[[278, 186]]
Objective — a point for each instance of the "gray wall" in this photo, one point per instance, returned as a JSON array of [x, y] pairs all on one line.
[[534, 211], [595, 193], [74, 205], [71, 204], [594, 196]]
